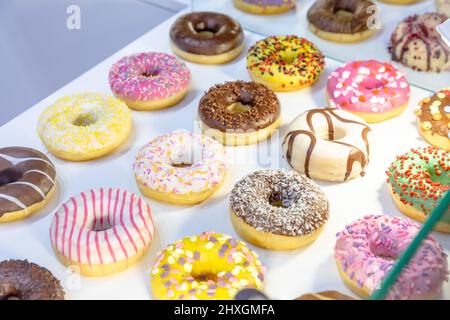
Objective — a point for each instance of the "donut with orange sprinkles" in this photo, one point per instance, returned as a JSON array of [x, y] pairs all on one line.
[[285, 63], [418, 180]]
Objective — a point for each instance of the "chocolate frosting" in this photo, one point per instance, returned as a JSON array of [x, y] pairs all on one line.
[[264, 106], [226, 33], [323, 15], [25, 176], [28, 281]]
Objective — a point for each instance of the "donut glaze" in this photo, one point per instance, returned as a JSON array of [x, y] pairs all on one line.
[[368, 87], [156, 163], [434, 119], [328, 144], [207, 266], [148, 76], [27, 178], [101, 227], [84, 126], [224, 33], [323, 15], [416, 43], [285, 63], [367, 249], [264, 106], [27, 281], [420, 178]]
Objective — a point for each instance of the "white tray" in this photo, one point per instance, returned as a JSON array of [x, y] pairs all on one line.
[[295, 22], [289, 273]]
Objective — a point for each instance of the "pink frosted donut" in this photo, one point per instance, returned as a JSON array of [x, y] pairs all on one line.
[[149, 80], [373, 90], [180, 167], [102, 231], [367, 249]]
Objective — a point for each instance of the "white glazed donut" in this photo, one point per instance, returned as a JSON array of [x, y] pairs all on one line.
[[180, 167], [102, 231], [327, 144]]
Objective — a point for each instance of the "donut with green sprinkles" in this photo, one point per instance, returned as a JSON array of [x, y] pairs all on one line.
[[285, 63], [420, 178]]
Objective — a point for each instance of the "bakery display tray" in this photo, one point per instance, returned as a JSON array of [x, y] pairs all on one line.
[[289, 273]]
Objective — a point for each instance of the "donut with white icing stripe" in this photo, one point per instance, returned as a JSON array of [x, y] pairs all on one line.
[[27, 182], [328, 144], [102, 231]]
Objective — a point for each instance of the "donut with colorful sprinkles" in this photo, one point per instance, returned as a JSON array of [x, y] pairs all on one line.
[[418, 180], [210, 266], [285, 63], [367, 249], [150, 80], [180, 168], [373, 90]]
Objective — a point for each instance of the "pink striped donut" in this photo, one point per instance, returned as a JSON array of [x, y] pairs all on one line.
[[149, 80], [102, 231]]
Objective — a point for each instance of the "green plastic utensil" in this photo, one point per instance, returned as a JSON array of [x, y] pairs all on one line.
[[392, 276]]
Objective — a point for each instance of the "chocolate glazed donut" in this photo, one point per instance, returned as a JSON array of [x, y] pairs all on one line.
[[27, 177], [22, 280], [341, 16], [206, 33], [238, 106]]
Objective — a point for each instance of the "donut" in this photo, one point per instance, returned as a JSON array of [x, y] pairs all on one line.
[[372, 90], [180, 167], [102, 231], [328, 144], [23, 280], [239, 113], [210, 266], [27, 182], [285, 63], [207, 37], [443, 6], [265, 6], [367, 249], [342, 20], [434, 119], [278, 209], [149, 80], [418, 180], [417, 44], [84, 126], [325, 295]]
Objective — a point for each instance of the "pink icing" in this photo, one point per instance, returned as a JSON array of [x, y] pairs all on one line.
[[367, 249], [368, 86], [148, 76]]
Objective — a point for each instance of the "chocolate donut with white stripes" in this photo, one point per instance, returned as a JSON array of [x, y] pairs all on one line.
[[27, 182]]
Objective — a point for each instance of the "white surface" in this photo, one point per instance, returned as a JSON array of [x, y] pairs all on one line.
[[289, 273], [295, 21]]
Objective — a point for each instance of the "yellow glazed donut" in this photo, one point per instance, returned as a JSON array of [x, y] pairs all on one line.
[[285, 63], [210, 266], [84, 126]]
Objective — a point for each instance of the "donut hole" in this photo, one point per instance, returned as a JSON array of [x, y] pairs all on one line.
[[181, 165], [99, 227], [153, 73], [11, 294], [238, 106], [383, 247], [206, 30], [344, 9], [370, 84], [325, 134], [10, 175], [279, 199], [288, 57], [85, 120]]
